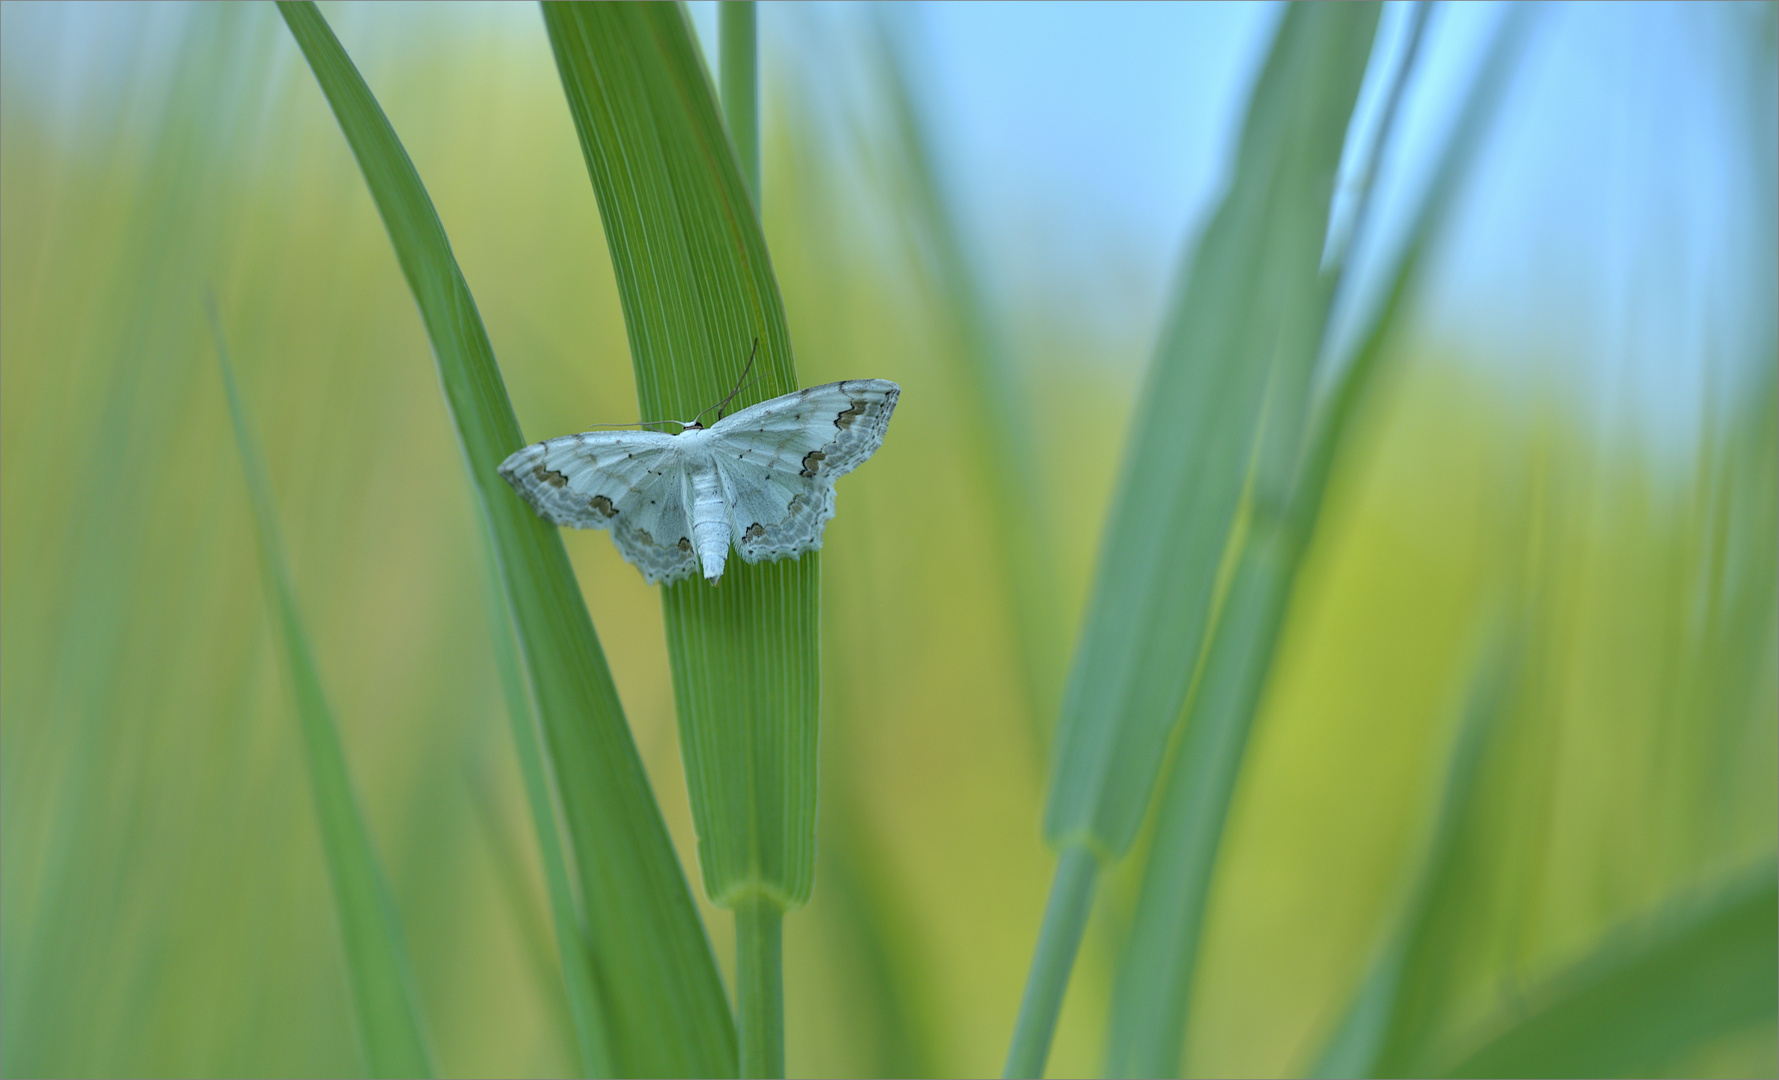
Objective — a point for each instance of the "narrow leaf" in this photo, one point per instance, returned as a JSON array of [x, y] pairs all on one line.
[[571, 944], [1358, 1043], [377, 967], [1151, 994], [738, 30], [1241, 341], [1250, 311], [697, 292], [998, 438], [1650, 993], [663, 999]]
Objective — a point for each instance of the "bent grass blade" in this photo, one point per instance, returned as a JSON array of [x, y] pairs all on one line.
[[662, 997]]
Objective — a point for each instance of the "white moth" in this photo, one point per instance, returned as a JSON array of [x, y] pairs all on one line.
[[762, 479]]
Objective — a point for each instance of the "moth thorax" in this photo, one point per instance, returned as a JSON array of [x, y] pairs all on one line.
[[710, 523]]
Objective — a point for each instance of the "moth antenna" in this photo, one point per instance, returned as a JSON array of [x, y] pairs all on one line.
[[631, 423], [739, 383]]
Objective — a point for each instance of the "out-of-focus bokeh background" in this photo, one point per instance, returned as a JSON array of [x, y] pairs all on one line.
[[1580, 431]]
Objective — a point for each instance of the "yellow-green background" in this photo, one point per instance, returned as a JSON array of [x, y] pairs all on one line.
[[166, 909]]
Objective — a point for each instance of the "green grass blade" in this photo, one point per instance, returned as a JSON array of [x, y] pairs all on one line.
[[578, 982], [1358, 1043], [49, 946], [992, 391], [1342, 235], [1152, 992], [377, 966], [663, 998], [1253, 303], [1334, 415], [697, 291], [1151, 995], [1242, 338], [1651, 993], [739, 69], [759, 919], [1059, 939], [884, 951]]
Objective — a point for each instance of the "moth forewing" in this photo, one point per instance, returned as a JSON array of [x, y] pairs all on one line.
[[761, 479]]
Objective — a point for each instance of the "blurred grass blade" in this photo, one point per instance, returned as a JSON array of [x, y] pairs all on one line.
[[1242, 337], [1152, 990], [571, 945], [1344, 230], [697, 290], [1250, 311], [663, 999], [884, 951], [738, 31], [383, 996], [993, 391], [1059, 939], [1650, 994], [1358, 1043]]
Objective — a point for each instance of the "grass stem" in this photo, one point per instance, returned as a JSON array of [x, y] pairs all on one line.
[[1065, 919], [759, 985]]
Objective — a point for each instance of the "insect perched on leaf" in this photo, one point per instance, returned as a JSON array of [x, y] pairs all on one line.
[[762, 478]]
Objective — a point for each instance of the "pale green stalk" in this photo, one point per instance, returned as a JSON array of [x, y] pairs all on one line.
[[759, 985], [1059, 939]]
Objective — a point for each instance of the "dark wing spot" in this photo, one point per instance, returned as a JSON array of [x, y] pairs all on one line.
[[813, 461], [550, 476], [643, 535], [853, 412], [603, 506], [754, 532], [685, 544]]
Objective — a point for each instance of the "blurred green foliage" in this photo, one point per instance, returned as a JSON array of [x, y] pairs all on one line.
[[164, 902], [385, 1007]]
